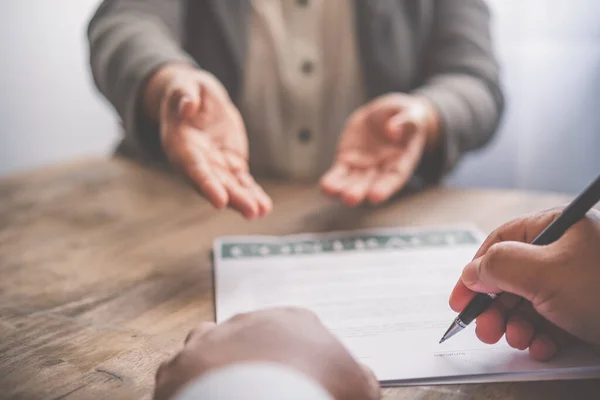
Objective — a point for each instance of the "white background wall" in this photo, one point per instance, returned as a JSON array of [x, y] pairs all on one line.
[[550, 51], [49, 110], [550, 136]]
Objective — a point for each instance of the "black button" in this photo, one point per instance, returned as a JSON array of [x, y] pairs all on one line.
[[302, 3], [307, 67], [304, 135]]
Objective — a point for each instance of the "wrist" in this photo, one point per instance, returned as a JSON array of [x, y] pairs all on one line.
[[156, 88]]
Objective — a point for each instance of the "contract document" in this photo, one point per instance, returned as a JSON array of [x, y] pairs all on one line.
[[384, 294]]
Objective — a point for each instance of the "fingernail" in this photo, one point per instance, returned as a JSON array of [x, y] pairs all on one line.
[[470, 275]]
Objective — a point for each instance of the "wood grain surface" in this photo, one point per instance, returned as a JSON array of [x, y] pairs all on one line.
[[104, 268]]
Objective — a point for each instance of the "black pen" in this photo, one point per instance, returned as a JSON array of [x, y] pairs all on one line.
[[573, 213]]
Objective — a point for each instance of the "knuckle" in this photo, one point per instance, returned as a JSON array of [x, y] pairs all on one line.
[[555, 211], [176, 360], [495, 253], [547, 215], [550, 214], [492, 238], [494, 258], [190, 335], [199, 331], [512, 230], [160, 372]]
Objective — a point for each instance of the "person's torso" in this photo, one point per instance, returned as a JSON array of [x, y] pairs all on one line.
[[302, 80], [297, 69]]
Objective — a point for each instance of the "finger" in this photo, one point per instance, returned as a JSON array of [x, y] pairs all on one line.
[[399, 171], [385, 186], [240, 198], [375, 390], [265, 204], [382, 109], [205, 180], [181, 103], [491, 324], [167, 380], [460, 297], [548, 341], [264, 200], [201, 144], [236, 162], [523, 229], [357, 158], [335, 180], [519, 333], [507, 267], [400, 128], [543, 347], [160, 372], [354, 177], [199, 331], [188, 108], [521, 326], [356, 190], [560, 337]]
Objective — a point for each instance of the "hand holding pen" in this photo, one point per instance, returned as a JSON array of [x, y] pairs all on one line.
[[559, 281]]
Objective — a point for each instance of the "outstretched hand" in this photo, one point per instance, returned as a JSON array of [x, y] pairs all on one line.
[[204, 137], [380, 148]]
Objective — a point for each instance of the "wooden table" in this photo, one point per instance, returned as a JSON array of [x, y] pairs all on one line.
[[104, 268]]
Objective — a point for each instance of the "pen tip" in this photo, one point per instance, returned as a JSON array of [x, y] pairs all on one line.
[[456, 327]]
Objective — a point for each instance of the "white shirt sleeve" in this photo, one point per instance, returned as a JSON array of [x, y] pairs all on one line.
[[256, 381]]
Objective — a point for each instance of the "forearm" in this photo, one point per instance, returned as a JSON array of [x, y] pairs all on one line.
[[130, 40], [462, 81]]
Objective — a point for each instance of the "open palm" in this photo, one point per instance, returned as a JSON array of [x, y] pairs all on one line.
[[379, 149], [204, 136]]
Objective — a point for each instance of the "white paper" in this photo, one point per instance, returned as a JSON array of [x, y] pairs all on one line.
[[384, 293]]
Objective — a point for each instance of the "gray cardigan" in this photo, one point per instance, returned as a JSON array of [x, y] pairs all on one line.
[[441, 49]]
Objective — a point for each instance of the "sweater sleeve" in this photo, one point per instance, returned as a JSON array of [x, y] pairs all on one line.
[[129, 40], [462, 81]]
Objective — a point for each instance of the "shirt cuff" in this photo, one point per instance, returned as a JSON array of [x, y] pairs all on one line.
[[254, 381]]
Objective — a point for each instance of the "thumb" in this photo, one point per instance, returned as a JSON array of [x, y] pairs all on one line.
[[399, 128], [511, 267], [183, 102]]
